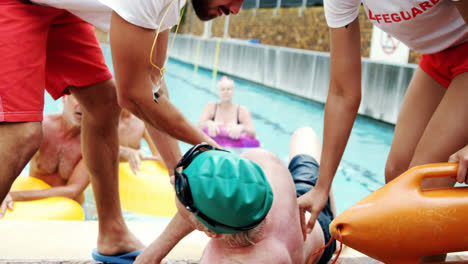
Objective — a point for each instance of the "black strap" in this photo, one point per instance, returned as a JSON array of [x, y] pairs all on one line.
[[25, 1]]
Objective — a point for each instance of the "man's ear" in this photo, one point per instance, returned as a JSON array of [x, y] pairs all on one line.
[[212, 234]]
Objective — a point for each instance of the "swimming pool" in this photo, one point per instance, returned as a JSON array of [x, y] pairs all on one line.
[[276, 115]]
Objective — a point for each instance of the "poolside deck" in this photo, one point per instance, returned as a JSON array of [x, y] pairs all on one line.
[[42, 242]]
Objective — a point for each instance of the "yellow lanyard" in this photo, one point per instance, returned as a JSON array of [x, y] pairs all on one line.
[[158, 85], [161, 70]]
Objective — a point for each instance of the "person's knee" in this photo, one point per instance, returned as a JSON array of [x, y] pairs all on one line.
[[393, 169], [306, 132], [21, 141], [99, 102], [305, 141]]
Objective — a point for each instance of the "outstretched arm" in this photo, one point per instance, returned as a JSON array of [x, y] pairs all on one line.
[[135, 76], [175, 231], [341, 109], [74, 188]]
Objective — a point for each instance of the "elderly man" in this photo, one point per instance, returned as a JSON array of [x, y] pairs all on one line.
[[59, 160], [247, 205]]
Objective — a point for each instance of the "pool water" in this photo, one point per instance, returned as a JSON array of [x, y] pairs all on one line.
[[276, 116]]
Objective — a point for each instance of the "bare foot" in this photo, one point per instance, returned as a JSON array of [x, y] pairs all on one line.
[[120, 241]]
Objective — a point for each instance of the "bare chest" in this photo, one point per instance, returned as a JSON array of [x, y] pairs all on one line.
[[57, 159], [226, 116]]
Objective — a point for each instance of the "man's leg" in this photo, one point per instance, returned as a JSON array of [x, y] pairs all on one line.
[[305, 141], [446, 132], [75, 60], [100, 146], [444, 135], [420, 102], [23, 33], [18, 143]]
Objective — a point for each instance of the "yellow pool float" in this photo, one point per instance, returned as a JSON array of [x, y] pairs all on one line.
[[53, 208], [148, 192]]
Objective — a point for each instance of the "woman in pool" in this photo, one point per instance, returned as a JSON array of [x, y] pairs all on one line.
[[225, 115]]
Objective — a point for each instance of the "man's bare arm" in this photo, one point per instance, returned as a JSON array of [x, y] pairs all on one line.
[[174, 232], [74, 188], [135, 76]]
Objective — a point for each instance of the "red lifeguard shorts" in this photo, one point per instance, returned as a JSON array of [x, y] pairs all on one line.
[[443, 66], [43, 48]]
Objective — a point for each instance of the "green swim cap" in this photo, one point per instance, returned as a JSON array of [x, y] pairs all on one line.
[[228, 189]]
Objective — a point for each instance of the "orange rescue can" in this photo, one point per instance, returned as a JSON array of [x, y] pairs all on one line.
[[399, 223]]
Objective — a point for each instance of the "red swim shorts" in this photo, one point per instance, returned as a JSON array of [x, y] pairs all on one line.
[[43, 48], [443, 66]]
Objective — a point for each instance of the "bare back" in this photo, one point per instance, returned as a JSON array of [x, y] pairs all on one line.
[[282, 241]]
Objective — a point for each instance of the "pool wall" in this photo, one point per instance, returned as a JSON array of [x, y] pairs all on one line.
[[299, 72]]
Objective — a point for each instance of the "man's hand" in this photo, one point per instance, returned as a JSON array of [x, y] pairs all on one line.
[[134, 158], [7, 203], [149, 257], [461, 157], [313, 201], [235, 131]]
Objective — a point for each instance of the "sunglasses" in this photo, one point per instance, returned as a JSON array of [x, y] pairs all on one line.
[[182, 187]]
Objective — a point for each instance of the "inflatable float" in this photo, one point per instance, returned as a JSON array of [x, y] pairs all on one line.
[[53, 208], [148, 192], [245, 140], [399, 223]]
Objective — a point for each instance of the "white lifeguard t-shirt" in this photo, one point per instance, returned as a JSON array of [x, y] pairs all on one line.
[[143, 13], [427, 26]]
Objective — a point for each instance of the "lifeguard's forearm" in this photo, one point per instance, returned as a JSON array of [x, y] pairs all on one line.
[[167, 118], [340, 113], [344, 97], [167, 146]]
